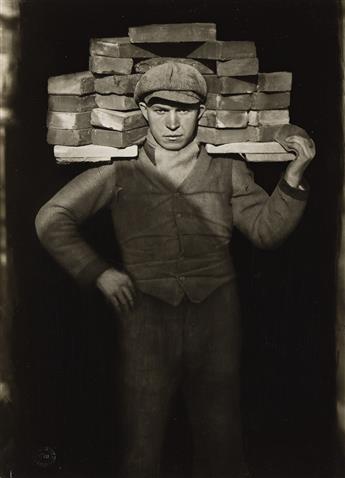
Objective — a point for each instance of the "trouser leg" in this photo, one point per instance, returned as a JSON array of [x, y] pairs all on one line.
[[212, 349], [152, 344]]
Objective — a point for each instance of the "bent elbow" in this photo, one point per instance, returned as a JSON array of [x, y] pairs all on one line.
[[268, 242], [43, 222]]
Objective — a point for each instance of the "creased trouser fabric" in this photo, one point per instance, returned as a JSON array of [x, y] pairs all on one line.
[[196, 345]]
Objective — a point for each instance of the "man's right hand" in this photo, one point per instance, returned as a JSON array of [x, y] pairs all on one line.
[[118, 289]]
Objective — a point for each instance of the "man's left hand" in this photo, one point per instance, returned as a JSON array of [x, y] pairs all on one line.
[[305, 153]]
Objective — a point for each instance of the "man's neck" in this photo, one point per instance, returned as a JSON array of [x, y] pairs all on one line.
[[176, 165]]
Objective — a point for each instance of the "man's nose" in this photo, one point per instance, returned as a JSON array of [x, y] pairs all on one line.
[[172, 120]]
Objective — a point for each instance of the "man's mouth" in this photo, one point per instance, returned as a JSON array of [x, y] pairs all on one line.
[[173, 136]]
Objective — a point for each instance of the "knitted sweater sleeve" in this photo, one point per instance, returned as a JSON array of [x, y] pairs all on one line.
[[57, 222], [266, 220]]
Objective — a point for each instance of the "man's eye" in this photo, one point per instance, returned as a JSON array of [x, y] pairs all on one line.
[[160, 112], [183, 111]]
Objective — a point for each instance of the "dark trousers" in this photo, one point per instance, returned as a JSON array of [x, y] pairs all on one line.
[[196, 346]]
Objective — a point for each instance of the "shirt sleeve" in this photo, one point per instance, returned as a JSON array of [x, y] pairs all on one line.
[[57, 222], [266, 220]]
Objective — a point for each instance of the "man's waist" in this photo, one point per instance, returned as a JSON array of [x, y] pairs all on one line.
[[216, 264]]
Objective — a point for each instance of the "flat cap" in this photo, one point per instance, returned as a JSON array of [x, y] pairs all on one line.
[[172, 81]]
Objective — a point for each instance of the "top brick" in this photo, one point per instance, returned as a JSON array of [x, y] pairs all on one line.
[[173, 33]]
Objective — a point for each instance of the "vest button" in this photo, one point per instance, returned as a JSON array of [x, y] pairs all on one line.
[[182, 278], [178, 214]]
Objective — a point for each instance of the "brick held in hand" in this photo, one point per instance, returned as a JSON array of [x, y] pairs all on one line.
[[270, 101], [275, 82], [81, 83], [63, 120], [234, 86], [246, 147], [269, 117], [175, 32], [118, 139], [105, 65], [270, 157], [222, 136], [84, 159], [118, 84], [117, 120], [94, 151], [69, 137], [116, 102], [71, 103], [229, 102], [145, 65], [119, 47], [238, 67], [224, 119]]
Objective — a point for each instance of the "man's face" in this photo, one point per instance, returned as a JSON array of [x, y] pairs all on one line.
[[173, 125]]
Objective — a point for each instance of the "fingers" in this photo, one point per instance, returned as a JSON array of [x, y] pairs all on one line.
[[128, 295], [301, 145], [123, 300]]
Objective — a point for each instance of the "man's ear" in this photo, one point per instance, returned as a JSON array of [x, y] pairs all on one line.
[[143, 108], [202, 109]]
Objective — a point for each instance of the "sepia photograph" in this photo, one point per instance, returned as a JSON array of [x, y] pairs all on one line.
[[172, 239]]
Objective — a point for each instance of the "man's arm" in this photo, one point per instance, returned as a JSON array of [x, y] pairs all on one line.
[[268, 220], [57, 225]]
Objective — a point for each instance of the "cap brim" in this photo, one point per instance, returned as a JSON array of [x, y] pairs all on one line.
[[175, 96]]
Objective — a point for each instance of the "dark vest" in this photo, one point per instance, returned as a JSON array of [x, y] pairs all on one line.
[[175, 240]]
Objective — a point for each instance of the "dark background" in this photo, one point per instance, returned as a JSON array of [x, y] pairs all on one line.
[[65, 339]]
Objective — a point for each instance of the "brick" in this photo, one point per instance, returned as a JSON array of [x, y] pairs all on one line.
[[105, 65], [145, 65], [222, 136], [85, 159], [94, 151], [116, 102], [117, 120], [222, 50], [237, 49], [175, 32], [82, 83], [224, 119], [230, 86], [238, 67], [270, 101], [231, 102], [267, 133], [277, 81], [69, 137], [235, 86], [235, 102], [62, 120], [118, 84], [248, 147], [213, 85], [119, 47], [118, 139], [269, 117], [270, 157], [71, 103]]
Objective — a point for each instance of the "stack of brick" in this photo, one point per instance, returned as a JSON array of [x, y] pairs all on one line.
[[71, 102], [244, 107]]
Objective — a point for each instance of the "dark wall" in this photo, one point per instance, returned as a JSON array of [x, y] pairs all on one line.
[[65, 339]]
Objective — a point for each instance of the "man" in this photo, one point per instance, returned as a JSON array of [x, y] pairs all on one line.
[[173, 210]]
